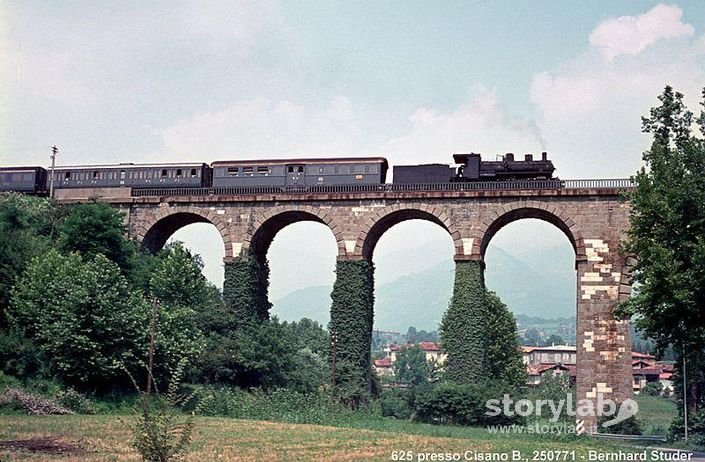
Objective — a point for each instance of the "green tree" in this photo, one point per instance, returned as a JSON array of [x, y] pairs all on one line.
[[178, 283], [96, 228], [504, 358], [411, 367], [26, 230], [532, 337], [667, 237], [83, 316]]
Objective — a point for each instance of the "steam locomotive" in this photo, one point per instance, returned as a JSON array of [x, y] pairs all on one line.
[[296, 173]]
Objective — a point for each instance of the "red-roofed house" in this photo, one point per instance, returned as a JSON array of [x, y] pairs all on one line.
[[383, 366], [433, 352]]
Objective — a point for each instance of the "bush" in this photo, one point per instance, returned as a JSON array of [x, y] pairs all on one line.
[[651, 389], [395, 403], [75, 401], [696, 428], [277, 405], [460, 404]]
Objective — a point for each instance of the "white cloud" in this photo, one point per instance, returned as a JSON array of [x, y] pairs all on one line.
[[630, 35], [590, 108], [263, 128], [478, 125]]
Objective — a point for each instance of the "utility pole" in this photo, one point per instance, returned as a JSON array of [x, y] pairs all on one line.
[[54, 152], [685, 396]]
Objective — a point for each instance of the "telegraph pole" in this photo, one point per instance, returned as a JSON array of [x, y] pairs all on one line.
[[685, 396], [54, 152]]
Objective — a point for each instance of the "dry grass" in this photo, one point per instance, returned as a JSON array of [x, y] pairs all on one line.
[[106, 438]]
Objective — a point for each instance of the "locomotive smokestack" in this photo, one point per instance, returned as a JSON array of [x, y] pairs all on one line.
[[509, 157], [528, 157], [544, 156]]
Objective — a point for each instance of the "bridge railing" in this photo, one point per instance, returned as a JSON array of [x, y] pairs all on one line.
[[621, 183]]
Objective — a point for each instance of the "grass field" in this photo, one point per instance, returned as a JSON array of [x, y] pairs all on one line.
[[656, 414], [105, 438]]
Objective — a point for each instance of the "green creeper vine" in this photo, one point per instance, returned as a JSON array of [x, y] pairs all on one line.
[[478, 332], [245, 288], [462, 326], [350, 326]]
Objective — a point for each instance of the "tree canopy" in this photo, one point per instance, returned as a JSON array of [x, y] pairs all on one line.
[[667, 237]]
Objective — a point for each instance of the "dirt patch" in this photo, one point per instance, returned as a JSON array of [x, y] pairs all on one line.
[[43, 445]]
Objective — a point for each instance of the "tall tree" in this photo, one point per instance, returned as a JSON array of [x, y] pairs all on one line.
[[411, 367], [667, 236], [26, 230], [504, 358], [83, 316], [96, 228]]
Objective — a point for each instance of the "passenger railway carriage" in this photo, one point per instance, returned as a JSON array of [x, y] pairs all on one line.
[[300, 172], [132, 175], [30, 180]]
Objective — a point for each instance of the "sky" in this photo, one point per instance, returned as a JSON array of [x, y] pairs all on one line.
[[413, 81]]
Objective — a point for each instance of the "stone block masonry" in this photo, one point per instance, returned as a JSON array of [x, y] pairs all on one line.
[[593, 220]]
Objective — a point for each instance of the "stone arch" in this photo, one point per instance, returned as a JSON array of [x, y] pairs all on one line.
[[160, 225], [514, 211], [270, 222], [375, 226]]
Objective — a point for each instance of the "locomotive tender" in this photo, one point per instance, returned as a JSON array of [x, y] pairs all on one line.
[[285, 173]]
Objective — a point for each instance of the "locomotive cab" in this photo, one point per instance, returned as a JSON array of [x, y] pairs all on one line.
[[469, 166]]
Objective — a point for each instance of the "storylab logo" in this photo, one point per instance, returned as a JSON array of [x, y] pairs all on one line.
[[600, 407]]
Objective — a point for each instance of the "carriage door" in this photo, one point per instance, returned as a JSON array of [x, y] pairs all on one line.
[[295, 175]]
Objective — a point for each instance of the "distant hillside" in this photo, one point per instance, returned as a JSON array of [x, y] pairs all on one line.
[[533, 285]]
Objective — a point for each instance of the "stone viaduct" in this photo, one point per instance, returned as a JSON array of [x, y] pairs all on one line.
[[590, 213]]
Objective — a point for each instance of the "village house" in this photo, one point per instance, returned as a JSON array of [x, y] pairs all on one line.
[[385, 366]]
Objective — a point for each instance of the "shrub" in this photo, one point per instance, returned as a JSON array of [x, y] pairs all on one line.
[[75, 401], [696, 428], [652, 389], [460, 404], [395, 403]]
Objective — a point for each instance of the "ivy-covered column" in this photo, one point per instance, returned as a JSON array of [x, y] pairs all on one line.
[[351, 318], [463, 326], [245, 288]]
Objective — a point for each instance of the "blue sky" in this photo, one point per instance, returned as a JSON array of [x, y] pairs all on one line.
[[413, 81]]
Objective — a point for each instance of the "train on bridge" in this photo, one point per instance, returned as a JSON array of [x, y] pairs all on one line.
[[286, 173]]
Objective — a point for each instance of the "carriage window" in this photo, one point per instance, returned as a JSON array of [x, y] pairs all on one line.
[[67, 175], [28, 176], [178, 173], [122, 174], [95, 175], [248, 170], [290, 169], [164, 173], [232, 171], [193, 173], [300, 169], [262, 170]]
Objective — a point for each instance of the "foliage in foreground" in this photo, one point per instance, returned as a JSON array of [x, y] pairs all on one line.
[[161, 432], [667, 237]]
